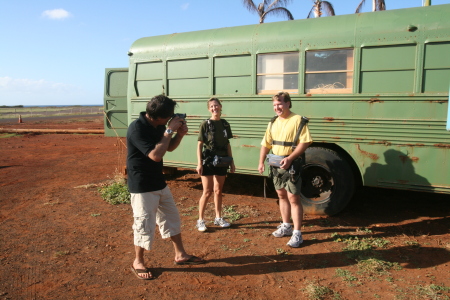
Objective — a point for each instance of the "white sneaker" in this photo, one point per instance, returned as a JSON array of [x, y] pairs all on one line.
[[201, 225], [283, 230], [221, 222], [295, 240]]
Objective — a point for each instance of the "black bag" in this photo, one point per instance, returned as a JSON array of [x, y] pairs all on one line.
[[222, 161]]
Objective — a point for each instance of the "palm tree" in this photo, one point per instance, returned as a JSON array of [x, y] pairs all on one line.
[[376, 5], [320, 5], [264, 8], [426, 2]]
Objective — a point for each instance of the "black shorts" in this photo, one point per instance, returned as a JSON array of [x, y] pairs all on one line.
[[211, 170]]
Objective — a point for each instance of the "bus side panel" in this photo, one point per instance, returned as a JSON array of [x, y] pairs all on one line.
[[115, 102]]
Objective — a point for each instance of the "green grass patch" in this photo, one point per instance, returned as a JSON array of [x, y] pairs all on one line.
[[231, 214], [433, 291], [345, 275], [318, 292], [282, 252], [61, 253], [115, 193], [377, 267], [8, 135]]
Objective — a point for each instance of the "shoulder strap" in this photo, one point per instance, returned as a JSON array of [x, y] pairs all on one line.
[[299, 131], [271, 123], [209, 133]]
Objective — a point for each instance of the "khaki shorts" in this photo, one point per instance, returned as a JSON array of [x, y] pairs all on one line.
[[293, 188], [153, 208]]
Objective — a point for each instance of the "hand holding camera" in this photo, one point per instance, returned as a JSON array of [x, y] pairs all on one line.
[[178, 124]]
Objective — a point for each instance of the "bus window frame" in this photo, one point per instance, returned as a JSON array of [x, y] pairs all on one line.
[[272, 92], [350, 71]]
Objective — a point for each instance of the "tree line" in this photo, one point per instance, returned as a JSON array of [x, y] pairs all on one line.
[[319, 8]]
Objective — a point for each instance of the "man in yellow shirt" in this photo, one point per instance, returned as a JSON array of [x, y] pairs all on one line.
[[279, 138]]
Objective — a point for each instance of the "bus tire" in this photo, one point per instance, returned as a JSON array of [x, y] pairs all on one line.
[[327, 182]]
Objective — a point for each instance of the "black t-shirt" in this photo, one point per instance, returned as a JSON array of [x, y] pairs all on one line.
[[144, 174]]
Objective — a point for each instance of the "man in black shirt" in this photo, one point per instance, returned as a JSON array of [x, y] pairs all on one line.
[[151, 199]]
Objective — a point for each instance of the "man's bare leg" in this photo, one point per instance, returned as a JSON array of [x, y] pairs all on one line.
[[138, 263]]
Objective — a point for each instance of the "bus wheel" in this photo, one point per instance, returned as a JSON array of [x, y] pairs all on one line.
[[327, 182]]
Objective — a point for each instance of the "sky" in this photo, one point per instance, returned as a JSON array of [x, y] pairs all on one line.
[[55, 52]]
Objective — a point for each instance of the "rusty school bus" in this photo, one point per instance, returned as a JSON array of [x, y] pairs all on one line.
[[375, 87]]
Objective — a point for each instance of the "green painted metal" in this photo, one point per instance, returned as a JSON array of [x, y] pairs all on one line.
[[391, 126], [115, 102]]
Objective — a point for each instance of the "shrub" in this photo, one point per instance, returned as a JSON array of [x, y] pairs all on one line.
[[115, 193]]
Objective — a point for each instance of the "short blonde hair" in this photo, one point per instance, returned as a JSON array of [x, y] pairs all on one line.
[[284, 96], [213, 99]]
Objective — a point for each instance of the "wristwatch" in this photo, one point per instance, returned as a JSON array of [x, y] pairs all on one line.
[[169, 131]]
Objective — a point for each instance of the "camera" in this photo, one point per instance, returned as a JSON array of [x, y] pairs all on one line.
[[183, 116]]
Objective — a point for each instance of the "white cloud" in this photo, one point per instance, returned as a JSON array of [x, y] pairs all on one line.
[[185, 6], [56, 14], [22, 91], [32, 86]]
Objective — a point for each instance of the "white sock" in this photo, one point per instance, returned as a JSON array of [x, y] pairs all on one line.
[[297, 231], [287, 224]]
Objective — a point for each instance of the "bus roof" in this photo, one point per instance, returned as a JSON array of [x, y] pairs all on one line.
[[400, 26]]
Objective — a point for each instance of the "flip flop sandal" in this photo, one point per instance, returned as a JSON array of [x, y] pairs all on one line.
[[136, 272], [193, 260]]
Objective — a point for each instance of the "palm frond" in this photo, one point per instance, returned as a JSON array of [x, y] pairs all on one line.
[[280, 11], [250, 5], [380, 5], [310, 13], [360, 5], [328, 8]]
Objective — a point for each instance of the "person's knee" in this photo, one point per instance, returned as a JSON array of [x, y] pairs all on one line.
[[294, 199], [207, 193]]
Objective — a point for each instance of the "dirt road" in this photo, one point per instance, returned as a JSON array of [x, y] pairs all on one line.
[[60, 240]]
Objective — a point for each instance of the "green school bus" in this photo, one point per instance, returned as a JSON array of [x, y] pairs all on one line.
[[375, 87]]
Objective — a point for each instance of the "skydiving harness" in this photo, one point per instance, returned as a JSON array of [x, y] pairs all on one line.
[[274, 160], [209, 155]]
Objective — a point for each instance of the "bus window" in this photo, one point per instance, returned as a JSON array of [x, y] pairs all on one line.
[[329, 71], [277, 72]]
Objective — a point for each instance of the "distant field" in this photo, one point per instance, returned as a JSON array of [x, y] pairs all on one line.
[[47, 111]]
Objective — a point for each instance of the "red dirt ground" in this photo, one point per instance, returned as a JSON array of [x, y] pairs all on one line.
[[60, 240]]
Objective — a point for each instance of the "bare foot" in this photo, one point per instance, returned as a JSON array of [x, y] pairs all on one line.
[[141, 271], [190, 260]]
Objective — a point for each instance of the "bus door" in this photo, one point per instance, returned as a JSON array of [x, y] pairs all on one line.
[[115, 102]]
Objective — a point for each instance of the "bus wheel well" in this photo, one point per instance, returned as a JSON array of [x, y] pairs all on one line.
[[344, 154]]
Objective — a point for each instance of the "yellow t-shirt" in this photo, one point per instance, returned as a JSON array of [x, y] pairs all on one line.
[[285, 131]]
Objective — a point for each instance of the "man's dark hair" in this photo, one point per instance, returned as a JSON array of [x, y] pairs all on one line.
[[284, 96], [160, 107]]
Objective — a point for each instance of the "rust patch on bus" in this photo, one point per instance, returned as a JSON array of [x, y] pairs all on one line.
[[359, 139], [386, 143], [374, 100], [420, 145], [372, 156], [336, 137], [250, 146], [329, 119], [447, 146], [308, 95], [405, 158]]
